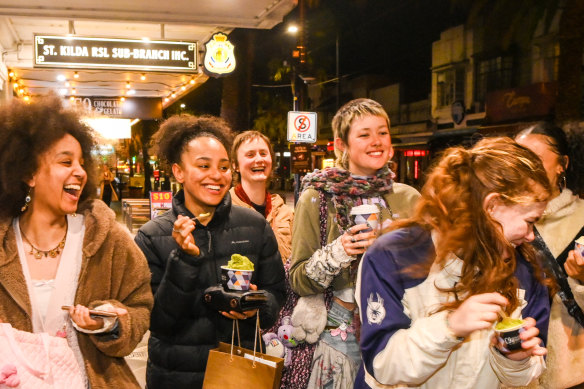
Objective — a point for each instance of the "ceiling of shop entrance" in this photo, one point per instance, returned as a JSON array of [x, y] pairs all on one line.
[[187, 20]]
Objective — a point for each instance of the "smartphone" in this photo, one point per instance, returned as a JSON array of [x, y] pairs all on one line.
[[93, 312]]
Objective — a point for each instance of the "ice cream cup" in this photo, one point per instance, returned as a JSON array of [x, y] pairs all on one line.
[[235, 279], [509, 337], [366, 213], [579, 246]]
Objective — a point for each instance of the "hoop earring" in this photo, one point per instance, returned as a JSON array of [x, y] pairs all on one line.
[[27, 201]]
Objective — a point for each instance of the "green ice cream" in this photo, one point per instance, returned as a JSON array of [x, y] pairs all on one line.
[[240, 262], [507, 323]]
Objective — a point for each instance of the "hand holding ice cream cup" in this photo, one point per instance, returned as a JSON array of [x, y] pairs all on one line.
[[366, 214], [365, 229], [518, 339], [508, 331]]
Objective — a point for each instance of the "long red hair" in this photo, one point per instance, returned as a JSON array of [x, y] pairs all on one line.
[[452, 204]]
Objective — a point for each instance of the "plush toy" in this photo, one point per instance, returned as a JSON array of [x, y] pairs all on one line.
[[278, 345], [309, 318]]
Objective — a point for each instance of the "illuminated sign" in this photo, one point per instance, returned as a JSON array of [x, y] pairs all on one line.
[[160, 202], [301, 158], [146, 108], [121, 54], [219, 56]]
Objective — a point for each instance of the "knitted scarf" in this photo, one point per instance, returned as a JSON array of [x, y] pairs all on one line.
[[243, 196], [346, 190]]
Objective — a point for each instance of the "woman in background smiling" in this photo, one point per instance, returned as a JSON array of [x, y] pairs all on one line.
[[252, 157]]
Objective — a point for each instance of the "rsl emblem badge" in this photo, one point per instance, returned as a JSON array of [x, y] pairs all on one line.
[[219, 56]]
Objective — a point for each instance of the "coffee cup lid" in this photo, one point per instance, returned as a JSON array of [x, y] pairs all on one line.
[[364, 209]]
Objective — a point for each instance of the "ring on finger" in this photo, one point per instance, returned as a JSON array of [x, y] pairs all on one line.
[[175, 230], [353, 240]]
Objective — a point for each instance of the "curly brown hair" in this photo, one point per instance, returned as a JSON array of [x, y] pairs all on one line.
[[173, 136], [452, 204], [26, 132]]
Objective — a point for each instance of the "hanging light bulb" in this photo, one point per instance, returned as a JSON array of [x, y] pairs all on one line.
[[192, 81], [143, 77], [122, 99], [128, 85], [26, 98], [76, 75], [11, 74]]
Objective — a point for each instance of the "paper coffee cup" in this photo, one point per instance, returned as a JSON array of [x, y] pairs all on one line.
[[579, 246], [366, 213]]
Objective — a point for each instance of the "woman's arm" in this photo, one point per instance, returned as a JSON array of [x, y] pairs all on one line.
[[314, 268], [129, 286], [522, 372], [175, 277]]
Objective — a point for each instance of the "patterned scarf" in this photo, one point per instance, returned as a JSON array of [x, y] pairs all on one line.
[[243, 196], [347, 190]]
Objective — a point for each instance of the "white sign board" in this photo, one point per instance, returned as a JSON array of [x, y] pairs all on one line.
[[301, 127]]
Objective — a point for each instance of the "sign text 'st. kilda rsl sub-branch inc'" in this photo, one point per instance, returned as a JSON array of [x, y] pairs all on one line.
[[63, 51]]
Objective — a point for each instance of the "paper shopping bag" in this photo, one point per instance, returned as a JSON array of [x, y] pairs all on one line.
[[227, 369]]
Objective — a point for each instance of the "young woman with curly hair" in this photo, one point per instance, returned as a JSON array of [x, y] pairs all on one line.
[[185, 254], [59, 247], [430, 290], [562, 223]]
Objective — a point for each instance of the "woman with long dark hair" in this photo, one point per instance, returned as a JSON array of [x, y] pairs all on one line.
[[560, 225]]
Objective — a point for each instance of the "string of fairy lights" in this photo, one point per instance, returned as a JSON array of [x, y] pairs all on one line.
[[71, 87]]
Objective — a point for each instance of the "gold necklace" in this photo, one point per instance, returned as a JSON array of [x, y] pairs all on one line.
[[38, 254]]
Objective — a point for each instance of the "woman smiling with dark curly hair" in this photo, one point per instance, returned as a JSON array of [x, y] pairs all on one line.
[[59, 247]]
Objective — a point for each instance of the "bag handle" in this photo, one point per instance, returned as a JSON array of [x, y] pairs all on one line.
[[561, 277], [9, 333], [255, 340]]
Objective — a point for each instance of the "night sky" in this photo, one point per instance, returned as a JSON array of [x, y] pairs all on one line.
[[389, 38]]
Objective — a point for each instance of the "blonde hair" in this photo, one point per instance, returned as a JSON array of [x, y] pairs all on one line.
[[354, 109]]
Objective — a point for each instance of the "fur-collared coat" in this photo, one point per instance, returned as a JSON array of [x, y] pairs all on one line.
[[113, 270]]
